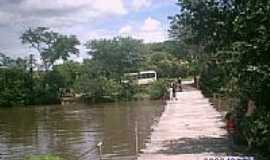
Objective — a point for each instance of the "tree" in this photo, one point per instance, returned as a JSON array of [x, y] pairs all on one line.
[[175, 48], [116, 56], [5, 60], [51, 45], [70, 71], [235, 38], [166, 65], [14, 82]]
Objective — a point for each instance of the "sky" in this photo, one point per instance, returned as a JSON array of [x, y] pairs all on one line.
[[87, 19]]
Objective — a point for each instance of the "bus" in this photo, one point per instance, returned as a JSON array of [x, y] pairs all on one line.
[[141, 78], [147, 77]]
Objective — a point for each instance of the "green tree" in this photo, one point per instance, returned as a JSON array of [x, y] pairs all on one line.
[[5, 60], [51, 45], [234, 35], [14, 82], [167, 65], [70, 71], [175, 48], [116, 56]]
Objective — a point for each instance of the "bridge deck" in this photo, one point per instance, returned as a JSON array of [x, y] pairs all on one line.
[[189, 129]]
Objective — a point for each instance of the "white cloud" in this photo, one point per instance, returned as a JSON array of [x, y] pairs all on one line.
[[101, 6], [150, 31], [88, 19], [151, 24], [139, 4], [126, 30], [8, 17], [111, 6], [51, 4], [57, 13]]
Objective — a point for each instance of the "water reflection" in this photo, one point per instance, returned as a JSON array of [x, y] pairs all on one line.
[[72, 132]]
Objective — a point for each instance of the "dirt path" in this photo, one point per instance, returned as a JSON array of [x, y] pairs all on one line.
[[189, 129]]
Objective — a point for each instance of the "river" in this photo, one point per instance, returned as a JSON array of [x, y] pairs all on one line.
[[73, 131]]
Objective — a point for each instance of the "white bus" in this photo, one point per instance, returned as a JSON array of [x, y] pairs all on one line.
[[147, 77], [142, 78]]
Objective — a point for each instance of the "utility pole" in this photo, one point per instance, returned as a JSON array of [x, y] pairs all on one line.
[[31, 61]]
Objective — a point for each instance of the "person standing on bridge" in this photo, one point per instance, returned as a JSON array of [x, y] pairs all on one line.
[[170, 90], [179, 84], [174, 88]]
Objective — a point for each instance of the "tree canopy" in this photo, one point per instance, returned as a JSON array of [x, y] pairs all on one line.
[[51, 45], [116, 56], [233, 37]]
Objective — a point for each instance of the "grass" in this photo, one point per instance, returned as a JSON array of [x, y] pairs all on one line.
[[43, 157]]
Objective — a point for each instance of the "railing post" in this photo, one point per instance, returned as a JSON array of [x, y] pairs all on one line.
[[136, 137], [99, 145]]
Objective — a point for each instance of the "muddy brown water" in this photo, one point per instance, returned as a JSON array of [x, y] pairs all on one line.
[[73, 131]]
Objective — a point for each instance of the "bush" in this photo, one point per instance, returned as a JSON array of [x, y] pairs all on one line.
[[102, 89], [158, 89], [129, 91], [13, 87]]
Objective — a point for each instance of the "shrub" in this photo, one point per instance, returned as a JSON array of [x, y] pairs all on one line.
[[158, 89], [13, 87]]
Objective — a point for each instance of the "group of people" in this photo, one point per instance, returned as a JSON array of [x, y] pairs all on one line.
[[175, 86]]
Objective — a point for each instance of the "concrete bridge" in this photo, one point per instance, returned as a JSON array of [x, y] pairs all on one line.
[[189, 129]]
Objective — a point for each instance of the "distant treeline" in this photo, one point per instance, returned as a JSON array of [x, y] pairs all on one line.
[[25, 81]]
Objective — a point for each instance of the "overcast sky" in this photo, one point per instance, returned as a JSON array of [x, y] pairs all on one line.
[[88, 19]]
